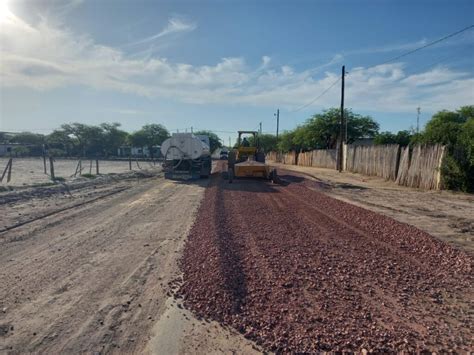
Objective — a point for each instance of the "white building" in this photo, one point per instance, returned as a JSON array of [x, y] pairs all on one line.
[[124, 151]]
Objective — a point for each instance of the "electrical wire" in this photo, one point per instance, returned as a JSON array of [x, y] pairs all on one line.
[[386, 62], [423, 47], [317, 98]]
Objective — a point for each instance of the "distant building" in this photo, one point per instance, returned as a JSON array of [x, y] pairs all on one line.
[[142, 152], [15, 149]]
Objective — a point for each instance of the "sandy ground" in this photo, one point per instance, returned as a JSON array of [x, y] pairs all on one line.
[[97, 278], [30, 171], [443, 214]]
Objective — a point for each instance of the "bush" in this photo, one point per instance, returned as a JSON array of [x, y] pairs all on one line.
[[456, 131]]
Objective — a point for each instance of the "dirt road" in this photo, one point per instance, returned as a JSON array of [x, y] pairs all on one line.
[[95, 278], [296, 270]]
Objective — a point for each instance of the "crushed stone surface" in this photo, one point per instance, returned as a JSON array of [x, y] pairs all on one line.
[[298, 271]]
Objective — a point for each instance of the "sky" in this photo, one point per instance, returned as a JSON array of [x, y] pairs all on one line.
[[229, 65]]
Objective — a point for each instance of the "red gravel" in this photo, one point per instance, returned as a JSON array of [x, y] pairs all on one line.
[[298, 271]]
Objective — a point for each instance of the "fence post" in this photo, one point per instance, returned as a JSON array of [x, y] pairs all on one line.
[[51, 166], [6, 169], [97, 166], [130, 159], [438, 174], [9, 176], [44, 160]]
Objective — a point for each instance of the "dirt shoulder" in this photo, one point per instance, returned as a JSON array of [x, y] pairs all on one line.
[[96, 277], [444, 214]]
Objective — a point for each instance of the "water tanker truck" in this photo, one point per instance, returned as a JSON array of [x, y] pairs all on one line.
[[186, 156]]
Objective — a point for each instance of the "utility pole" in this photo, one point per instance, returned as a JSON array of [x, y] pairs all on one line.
[[260, 129], [230, 146], [418, 110], [341, 128], [191, 129], [277, 114]]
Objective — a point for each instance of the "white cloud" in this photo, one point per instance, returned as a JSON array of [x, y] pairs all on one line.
[[462, 39], [45, 56], [128, 112], [175, 25]]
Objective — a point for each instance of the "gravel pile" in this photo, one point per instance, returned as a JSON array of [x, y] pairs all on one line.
[[297, 271]]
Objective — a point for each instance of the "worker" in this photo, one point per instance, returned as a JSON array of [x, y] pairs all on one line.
[[245, 142]]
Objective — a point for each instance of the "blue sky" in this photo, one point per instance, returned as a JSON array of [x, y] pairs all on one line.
[[228, 65]]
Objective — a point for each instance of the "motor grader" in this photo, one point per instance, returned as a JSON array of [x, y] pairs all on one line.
[[248, 160]]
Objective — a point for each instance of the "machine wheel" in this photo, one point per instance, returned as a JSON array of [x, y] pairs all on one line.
[[230, 175], [274, 176], [260, 157], [231, 159]]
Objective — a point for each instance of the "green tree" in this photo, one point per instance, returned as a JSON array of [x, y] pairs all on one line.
[[149, 135], [4, 137], [267, 142], [322, 130], [455, 129], [285, 141], [59, 140], [385, 138], [214, 139], [444, 127], [28, 138], [113, 137], [138, 139], [402, 138], [21, 151], [86, 138]]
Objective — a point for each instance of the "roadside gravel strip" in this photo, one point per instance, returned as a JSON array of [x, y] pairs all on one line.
[[296, 270]]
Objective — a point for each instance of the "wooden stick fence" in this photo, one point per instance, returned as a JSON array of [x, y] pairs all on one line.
[[421, 168], [418, 167], [374, 160]]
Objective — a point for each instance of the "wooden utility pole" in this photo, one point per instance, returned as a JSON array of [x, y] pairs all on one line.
[[342, 139], [278, 121], [418, 110], [260, 129]]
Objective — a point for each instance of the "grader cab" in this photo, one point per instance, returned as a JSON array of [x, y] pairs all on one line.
[[247, 159]]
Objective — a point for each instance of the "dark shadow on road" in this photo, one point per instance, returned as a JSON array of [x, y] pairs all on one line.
[[229, 251]]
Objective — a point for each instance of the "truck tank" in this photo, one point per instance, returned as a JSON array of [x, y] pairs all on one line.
[[186, 156]]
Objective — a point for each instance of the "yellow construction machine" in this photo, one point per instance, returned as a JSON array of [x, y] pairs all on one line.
[[248, 160]]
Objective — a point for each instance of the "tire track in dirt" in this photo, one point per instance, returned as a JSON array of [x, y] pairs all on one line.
[[311, 273], [94, 278]]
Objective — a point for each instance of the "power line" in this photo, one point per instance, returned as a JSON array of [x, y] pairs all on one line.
[[388, 61], [432, 64], [425, 46], [318, 97]]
